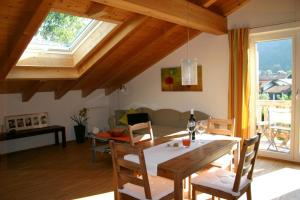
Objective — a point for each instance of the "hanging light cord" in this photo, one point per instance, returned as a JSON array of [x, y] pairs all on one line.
[[188, 31]]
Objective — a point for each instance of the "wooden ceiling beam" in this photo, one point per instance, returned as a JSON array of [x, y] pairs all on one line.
[[179, 12], [120, 35], [29, 91], [92, 10], [42, 73], [24, 36], [229, 7]]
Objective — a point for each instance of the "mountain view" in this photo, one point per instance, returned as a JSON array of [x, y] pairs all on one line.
[[275, 55], [275, 72]]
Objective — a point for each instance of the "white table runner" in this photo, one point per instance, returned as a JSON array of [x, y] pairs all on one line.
[[164, 152]]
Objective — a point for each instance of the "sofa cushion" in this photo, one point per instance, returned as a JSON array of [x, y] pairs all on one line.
[[160, 131], [166, 117]]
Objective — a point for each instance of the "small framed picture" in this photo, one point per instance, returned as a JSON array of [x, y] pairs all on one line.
[[20, 122], [11, 124], [27, 121], [43, 119]]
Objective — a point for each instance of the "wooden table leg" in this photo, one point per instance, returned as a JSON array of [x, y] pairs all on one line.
[[178, 188], [56, 138], [63, 137], [236, 155]]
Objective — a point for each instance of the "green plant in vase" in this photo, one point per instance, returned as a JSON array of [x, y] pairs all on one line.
[[80, 120]]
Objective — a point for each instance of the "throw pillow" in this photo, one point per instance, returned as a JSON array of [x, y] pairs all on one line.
[[124, 119]]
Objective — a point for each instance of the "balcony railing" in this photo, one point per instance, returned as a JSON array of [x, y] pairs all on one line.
[[276, 136]]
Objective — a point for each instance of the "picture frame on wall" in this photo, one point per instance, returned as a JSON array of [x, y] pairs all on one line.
[[27, 121]]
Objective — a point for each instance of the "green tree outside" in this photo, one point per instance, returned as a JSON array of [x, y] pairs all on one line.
[[61, 28]]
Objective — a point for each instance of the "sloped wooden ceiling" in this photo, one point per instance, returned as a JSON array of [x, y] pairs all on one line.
[[147, 31]]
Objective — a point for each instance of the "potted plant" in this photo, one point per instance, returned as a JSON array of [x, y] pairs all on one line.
[[80, 120]]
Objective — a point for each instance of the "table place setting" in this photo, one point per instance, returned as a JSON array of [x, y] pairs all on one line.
[[166, 151]]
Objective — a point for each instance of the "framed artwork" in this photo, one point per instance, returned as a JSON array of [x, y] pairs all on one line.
[[171, 80], [27, 121]]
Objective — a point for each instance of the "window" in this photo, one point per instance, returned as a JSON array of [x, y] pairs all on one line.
[[61, 32], [63, 41]]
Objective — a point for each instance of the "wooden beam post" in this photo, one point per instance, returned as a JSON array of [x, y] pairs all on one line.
[[28, 93], [23, 37], [179, 12]]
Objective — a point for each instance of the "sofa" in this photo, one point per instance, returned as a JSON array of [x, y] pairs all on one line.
[[164, 121]]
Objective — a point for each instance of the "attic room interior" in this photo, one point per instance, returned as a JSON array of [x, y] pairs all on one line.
[[214, 86]]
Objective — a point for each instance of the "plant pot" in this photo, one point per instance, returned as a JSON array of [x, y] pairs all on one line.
[[79, 133]]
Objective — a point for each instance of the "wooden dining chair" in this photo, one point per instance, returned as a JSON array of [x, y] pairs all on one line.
[[222, 127], [140, 132], [226, 184], [129, 186]]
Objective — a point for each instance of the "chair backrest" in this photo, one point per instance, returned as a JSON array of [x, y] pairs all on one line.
[[125, 171], [247, 160], [279, 116], [220, 126], [145, 133]]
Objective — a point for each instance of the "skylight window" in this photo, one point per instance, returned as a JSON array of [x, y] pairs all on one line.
[[64, 40], [60, 32]]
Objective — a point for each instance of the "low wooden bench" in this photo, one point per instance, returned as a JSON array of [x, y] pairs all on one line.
[[36, 131]]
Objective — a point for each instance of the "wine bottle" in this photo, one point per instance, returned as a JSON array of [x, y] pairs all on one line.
[[192, 125]]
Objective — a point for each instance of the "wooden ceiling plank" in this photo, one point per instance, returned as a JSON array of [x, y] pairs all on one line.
[[94, 9], [231, 6], [123, 32], [24, 36], [29, 92], [175, 12], [207, 3]]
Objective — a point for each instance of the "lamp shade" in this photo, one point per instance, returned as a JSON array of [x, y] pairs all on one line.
[[189, 74]]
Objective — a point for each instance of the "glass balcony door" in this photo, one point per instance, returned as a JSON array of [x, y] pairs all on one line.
[[274, 103]]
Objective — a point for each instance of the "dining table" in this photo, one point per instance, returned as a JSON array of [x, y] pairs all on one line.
[[174, 161]]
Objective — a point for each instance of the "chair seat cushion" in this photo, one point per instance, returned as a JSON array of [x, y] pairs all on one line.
[[219, 179], [159, 186]]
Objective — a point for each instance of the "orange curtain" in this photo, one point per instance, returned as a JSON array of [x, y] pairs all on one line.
[[238, 88]]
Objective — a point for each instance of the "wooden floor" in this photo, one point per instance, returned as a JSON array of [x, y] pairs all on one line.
[[56, 173]]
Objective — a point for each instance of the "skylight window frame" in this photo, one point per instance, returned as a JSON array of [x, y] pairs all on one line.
[[75, 44], [93, 34]]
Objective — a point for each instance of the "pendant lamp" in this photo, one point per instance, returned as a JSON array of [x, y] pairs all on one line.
[[189, 73]]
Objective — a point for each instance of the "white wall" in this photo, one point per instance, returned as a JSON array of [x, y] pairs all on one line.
[[212, 53], [59, 112]]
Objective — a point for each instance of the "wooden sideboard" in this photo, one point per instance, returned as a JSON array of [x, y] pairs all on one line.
[[37, 131]]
